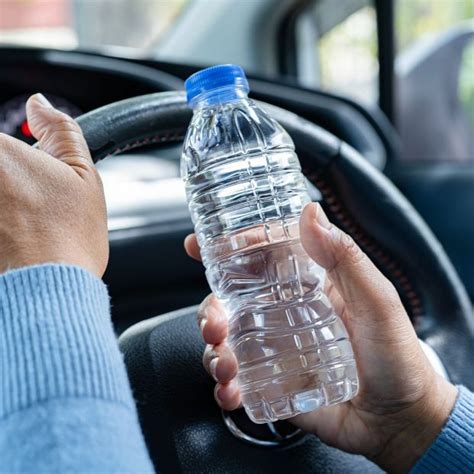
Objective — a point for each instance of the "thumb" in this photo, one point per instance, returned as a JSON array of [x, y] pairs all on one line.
[[57, 133], [364, 289]]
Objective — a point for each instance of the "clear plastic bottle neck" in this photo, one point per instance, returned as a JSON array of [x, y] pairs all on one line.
[[219, 96]]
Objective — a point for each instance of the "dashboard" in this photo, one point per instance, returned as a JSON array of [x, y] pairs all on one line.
[[13, 115], [75, 82]]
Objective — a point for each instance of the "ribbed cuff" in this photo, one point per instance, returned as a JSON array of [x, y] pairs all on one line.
[[453, 449], [56, 338]]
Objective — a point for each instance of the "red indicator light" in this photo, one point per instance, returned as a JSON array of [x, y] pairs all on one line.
[[25, 129]]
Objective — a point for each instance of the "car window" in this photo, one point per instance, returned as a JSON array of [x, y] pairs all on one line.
[[434, 52], [137, 24], [344, 54], [435, 79]]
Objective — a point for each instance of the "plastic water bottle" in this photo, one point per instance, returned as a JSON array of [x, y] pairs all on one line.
[[246, 193]]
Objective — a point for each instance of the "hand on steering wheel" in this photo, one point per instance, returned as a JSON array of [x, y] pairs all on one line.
[[52, 200], [402, 403]]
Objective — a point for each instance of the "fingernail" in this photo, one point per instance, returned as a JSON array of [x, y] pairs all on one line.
[[321, 218], [216, 393], [43, 100], [213, 367], [202, 323]]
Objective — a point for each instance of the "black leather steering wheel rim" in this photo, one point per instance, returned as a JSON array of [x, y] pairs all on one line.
[[356, 196]]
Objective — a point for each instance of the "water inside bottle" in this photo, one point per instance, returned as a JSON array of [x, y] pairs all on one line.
[[293, 350], [246, 193]]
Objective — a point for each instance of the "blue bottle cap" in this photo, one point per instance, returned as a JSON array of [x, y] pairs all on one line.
[[215, 77]]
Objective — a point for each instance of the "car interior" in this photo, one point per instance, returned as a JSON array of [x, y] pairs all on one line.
[[396, 173]]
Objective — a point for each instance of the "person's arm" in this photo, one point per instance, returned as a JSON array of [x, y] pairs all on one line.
[[453, 450], [65, 401]]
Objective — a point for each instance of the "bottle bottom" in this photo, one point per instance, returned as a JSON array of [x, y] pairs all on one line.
[[311, 398]]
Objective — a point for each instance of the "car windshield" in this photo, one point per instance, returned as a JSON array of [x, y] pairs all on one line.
[[67, 24]]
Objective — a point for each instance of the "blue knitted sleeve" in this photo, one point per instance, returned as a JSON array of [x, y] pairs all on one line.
[[453, 450], [65, 400]]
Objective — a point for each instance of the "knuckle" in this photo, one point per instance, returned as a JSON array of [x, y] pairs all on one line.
[[60, 143], [63, 120], [60, 124], [63, 143], [73, 126], [63, 130]]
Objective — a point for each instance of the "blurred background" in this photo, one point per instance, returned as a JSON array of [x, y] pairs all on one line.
[[392, 78], [335, 49]]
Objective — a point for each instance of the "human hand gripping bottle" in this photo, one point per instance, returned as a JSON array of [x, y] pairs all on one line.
[[246, 192]]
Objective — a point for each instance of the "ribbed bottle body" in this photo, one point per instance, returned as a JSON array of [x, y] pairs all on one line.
[[246, 193]]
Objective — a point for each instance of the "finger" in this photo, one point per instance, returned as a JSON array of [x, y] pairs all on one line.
[[192, 247], [228, 245], [57, 133], [228, 395], [335, 298], [212, 320], [364, 289], [220, 363]]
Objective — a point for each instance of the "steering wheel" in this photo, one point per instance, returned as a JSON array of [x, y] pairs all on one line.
[[183, 427]]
